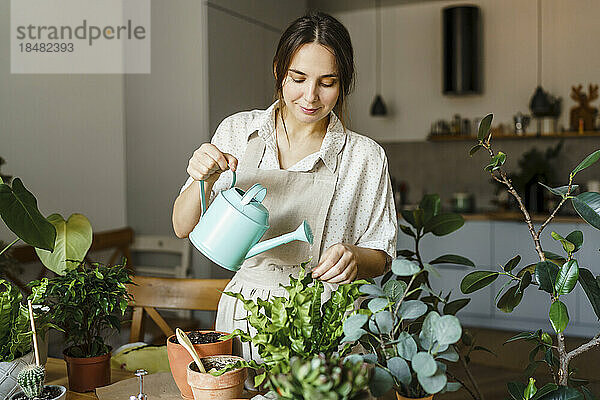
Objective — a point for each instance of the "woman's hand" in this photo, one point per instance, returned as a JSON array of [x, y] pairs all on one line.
[[338, 264], [208, 162]]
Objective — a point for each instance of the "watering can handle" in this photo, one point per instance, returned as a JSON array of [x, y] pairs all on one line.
[[203, 195], [257, 191]]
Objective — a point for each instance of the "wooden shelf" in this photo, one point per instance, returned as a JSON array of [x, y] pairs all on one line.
[[518, 217], [558, 135]]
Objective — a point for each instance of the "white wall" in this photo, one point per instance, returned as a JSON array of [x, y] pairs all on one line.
[[412, 61], [63, 135]]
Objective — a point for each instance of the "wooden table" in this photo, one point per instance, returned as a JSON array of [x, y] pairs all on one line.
[[56, 374]]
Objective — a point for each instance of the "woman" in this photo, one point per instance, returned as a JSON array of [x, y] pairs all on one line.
[[313, 169]]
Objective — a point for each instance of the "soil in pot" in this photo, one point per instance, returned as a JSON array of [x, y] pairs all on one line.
[[205, 386], [198, 337], [179, 358], [400, 397], [49, 393]]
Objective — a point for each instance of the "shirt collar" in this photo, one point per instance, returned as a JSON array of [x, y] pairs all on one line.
[[332, 145]]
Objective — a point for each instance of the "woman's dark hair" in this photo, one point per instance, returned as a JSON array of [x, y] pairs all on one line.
[[321, 28]]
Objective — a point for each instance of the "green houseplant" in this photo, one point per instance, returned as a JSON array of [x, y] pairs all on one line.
[[297, 325], [554, 274], [86, 303]]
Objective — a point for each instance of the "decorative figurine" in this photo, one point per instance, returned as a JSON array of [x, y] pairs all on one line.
[[582, 116]]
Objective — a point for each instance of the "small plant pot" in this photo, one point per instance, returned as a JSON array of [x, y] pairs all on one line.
[[179, 359], [61, 393], [204, 386], [400, 397], [86, 374]]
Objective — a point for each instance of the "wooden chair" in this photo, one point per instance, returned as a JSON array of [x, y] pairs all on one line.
[[150, 293]]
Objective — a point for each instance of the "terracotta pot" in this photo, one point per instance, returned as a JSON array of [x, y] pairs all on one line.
[[179, 358], [400, 397], [204, 386], [86, 374]]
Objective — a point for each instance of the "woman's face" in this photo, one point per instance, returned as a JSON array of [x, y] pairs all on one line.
[[311, 87]]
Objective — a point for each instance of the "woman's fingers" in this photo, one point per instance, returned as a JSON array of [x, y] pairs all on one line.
[[208, 160], [231, 161], [340, 271]]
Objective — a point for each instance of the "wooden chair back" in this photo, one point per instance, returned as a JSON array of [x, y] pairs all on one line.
[[150, 293]]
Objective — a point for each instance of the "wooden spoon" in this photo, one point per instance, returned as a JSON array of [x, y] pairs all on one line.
[[184, 340]]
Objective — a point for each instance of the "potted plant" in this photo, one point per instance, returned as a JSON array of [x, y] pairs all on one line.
[[408, 357], [554, 274], [323, 377], [86, 303], [296, 325], [206, 343], [207, 385], [31, 378], [18, 210]]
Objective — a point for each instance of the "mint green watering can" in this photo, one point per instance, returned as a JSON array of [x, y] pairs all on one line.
[[230, 229]]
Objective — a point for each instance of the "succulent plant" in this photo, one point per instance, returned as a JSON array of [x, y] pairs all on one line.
[[321, 377], [31, 379]]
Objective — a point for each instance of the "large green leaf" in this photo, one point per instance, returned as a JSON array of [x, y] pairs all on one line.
[[453, 259], [73, 240], [455, 306], [545, 274], [575, 237], [561, 190], [411, 309], [444, 224], [559, 316], [477, 280], [19, 211], [484, 127], [587, 206], [591, 289], [589, 160], [510, 299], [567, 277], [544, 390], [512, 263], [563, 393]]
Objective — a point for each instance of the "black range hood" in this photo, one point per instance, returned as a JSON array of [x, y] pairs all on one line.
[[463, 50]]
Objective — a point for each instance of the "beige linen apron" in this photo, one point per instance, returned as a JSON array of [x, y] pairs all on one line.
[[291, 198]]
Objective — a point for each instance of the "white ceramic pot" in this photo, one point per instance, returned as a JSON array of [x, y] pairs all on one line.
[[9, 372], [61, 396]]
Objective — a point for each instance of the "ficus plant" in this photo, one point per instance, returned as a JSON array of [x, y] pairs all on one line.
[[557, 275], [87, 303], [296, 325]]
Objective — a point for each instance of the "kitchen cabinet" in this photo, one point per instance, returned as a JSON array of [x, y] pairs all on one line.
[[490, 244]]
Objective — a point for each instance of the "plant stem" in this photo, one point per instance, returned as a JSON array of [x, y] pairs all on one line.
[[558, 206], [563, 368], [8, 247], [471, 379], [584, 347], [463, 385]]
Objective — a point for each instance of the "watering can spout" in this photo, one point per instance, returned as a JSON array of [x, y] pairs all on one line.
[[302, 233]]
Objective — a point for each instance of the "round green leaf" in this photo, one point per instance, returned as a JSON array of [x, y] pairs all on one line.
[[404, 267], [394, 289], [411, 309], [447, 330], [450, 355], [587, 206], [354, 322], [372, 290], [589, 160], [424, 364], [382, 322], [567, 277], [444, 224], [73, 240], [559, 316], [407, 347], [399, 369], [477, 280], [381, 382], [354, 335], [378, 304], [429, 326], [434, 383], [19, 211]]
